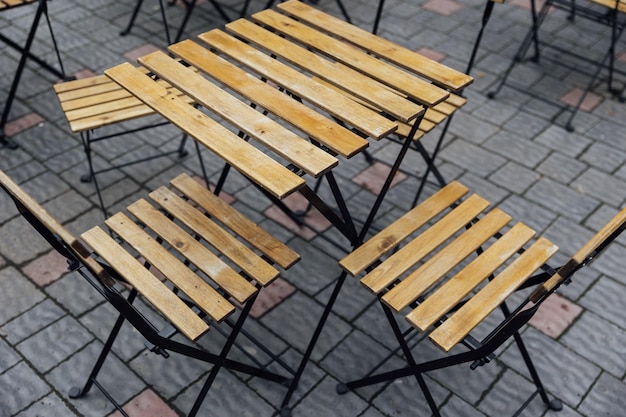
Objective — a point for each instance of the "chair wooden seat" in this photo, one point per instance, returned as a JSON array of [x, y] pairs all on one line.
[[7, 4]]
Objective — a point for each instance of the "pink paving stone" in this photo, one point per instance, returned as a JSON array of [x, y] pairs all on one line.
[[443, 7], [146, 404], [84, 73], [555, 315], [525, 4], [46, 269], [373, 178], [271, 296], [23, 123], [589, 103], [313, 217], [621, 57], [132, 55], [432, 54]]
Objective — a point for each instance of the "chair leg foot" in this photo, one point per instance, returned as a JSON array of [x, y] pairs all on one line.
[[342, 389], [569, 127], [285, 412], [7, 142], [76, 392], [491, 95], [85, 178], [555, 404]]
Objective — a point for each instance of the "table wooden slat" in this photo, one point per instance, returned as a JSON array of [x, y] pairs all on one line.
[[338, 74], [298, 83], [244, 157], [303, 154], [404, 57], [417, 88]]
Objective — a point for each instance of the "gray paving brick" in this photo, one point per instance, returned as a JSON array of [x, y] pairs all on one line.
[[604, 299], [49, 405], [54, 344], [559, 139], [19, 242], [32, 321], [599, 341], [121, 383], [469, 127], [514, 177], [606, 398], [405, 394], [561, 167], [20, 388], [604, 157], [524, 152], [471, 157], [17, 294], [74, 293], [561, 199], [324, 400], [8, 357], [602, 186]]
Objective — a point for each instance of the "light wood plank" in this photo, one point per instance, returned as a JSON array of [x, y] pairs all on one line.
[[334, 136], [415, 87], [209, 263], [414, 251], [612, 4], [252, 264], [428, 274], [157, 294], [341, 75], [459, 286], [244, 157], [294, 81], [198, 291], [392, 235], [404, 57], [617, 223], [274, 249], [303, 154], [453, 330]]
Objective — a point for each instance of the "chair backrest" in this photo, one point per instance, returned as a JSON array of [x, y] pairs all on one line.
[[584, 256]]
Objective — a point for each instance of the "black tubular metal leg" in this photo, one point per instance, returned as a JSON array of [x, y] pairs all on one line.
[[131, 22], [85, 138], [379, 15]]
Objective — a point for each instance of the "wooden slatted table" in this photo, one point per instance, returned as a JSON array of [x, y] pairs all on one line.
[[346, 87]]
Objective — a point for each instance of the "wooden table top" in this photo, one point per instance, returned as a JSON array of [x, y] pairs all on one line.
[[346, 86]]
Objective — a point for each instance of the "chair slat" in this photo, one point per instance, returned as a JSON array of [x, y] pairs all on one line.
[[425, 243], [342, 107], [237, 286], [440, 301], [157, 293], [416, 88], [358, 84], [271, 247], [198, 291], [419, 281], [428, 68], [453, 330], [327, 131], [302, 153], [248, 160], [233, 249], [386, 240]]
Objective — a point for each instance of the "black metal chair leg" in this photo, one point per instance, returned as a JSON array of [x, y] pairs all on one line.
[[131, 22]]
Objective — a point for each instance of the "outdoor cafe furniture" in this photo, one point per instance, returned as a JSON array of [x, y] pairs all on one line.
[[188, 254], [26, 54], [345, 87], [445, 266], [607, 13]]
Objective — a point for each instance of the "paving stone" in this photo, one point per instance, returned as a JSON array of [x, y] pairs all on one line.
[[32, 321], [568, 383], [606, 398], [8, 357], [121, 382], [50, 405], [457, 407], [514, 177], [509, 145], [324, 400], [405, 394], [559, 139], [599, 341], [529, 213], [471, 157], [602, 186], [555, 315], [561, 167], [20, 388], [561, 199], [604, 299], [47, 268], [74, 293], [54, 344], [19, 242], [17, 294], [604, 156], [146, 404]]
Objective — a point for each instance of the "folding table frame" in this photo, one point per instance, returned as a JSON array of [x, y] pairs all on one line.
[[424, 263], [211, 254], [605, 12], [42, 9]]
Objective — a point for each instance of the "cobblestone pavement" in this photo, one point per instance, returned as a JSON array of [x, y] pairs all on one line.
[[512, 149]]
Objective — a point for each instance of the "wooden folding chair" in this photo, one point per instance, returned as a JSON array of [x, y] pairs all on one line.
[[91, 103], [208, 256], [449, 262]]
